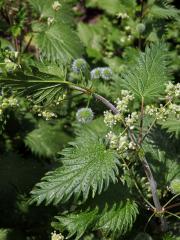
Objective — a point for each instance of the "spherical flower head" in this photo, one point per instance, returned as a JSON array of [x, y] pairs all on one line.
[[140, 27], [84, 115], [106, 73], [79, 65], [175, 186], [56, 6], [96, 73]]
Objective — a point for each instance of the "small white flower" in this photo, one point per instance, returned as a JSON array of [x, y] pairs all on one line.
[[56, 6], [109, 119], [55, 236], [50, 20]]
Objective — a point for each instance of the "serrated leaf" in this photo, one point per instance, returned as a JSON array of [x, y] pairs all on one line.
[[172, 125], [40, 86], [117, 220], [46, 140], [57, 43], [76, 224], [114, 222], [163, 9], [87, 166], [148, 76]]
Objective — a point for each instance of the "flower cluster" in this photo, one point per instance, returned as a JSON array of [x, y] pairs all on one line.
[[120, 142], [122, 15], [84, 115], [172, 90], [104, 73], [163, 112], [10, 66], [57, 236], [56, 6], [122, 104], [47, 115], [79, 65], [109, 119], [131, 119], [6, 102]]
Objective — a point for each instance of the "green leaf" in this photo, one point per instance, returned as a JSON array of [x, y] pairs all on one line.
[[114, 222], [87, 167], [57, 43], [148, 76], [46, 140], [117, 220], [113, 7], [38, 85], [76, 224], [172, 125], [163, 9]]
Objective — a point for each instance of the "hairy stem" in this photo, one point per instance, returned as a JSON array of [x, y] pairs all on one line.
[[153, 187], [141, 122]]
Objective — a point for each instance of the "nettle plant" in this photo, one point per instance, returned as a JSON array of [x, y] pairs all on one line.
[[118, 165], [123, 165]]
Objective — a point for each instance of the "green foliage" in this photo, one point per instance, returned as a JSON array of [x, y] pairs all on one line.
[[56, 39], [41, 86], [76, 224], [46, 140], [87, 166], [172, 125], [147, 77], [98, 184], [163, 9], [118, 220], [112, 222]]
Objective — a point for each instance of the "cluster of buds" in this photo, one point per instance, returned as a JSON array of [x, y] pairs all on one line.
[[122, 104], [172, 90], [56, 236], [163, 112], [120, 142], [7, 102], [47, 115], [122, 15], [56, 6], [131, 119], [10, 66]]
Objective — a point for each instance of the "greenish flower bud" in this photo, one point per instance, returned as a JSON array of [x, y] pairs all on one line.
[[140, 27]]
